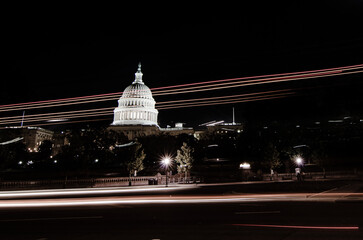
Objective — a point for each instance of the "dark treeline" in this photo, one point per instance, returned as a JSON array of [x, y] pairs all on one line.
[[95, 152]]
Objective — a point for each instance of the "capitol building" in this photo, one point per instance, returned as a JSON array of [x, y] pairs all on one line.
[[136, 115], [136, 105]]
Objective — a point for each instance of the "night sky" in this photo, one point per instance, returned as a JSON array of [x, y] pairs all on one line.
[[60, 52]]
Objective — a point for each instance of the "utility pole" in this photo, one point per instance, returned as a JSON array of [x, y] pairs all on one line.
[[233, 121], [22, 119]]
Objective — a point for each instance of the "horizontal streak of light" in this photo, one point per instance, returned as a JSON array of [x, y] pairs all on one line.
[[67, 122], [49, 118], [146, 199], [49, 219], [212, 102], [345, 68], [56, 114], [221, 97], [206, 88], [180, 92], [259, 83], [299, 227], [70, 203], [219, 103], [108, 112], [162, 108], [58, 102], [255, 81], [263, 212], [80, 191], [223, 87], [24, 203]]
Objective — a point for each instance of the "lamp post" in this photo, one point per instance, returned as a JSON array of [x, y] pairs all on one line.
[[299, 162], [166, 162]]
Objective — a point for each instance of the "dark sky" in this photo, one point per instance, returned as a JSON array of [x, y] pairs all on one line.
[[64, 51]]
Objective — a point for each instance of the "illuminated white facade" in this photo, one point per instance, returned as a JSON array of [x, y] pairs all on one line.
[[136, 105]]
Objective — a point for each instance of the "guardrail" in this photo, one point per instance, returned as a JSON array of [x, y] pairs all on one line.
[[314, 175], [96, 182]]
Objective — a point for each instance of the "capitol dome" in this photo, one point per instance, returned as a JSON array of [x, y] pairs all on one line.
[[136, 105]]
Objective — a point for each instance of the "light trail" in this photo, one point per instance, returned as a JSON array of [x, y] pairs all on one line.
[[65, 114], [57, 113], [298, 227], [221, 97], [177, 103], [208, 104], [46, 105], [352, 67], [74, 101], [12, 141], [66, 122], [84, 191], [226, 101], [202, 102], [50, 118], [257, 83], [222, 87], [110, 96], [160, 103], [40, 202], [191, 84]]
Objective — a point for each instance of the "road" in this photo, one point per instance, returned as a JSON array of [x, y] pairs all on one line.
[[207, 212]]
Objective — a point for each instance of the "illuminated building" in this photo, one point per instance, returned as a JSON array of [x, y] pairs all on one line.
[[136, 105], [32, 136], [136, 115]]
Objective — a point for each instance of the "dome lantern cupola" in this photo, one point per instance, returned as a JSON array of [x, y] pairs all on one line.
[[138, 75]]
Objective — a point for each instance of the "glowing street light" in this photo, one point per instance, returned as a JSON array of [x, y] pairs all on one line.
[[166, 162], [299, 161], [245, 166]]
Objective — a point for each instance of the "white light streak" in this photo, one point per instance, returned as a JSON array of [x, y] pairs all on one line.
[[54, 117]]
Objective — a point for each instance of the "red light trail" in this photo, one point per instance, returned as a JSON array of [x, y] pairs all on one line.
[[257, 80], [175, 89], [162, 105]]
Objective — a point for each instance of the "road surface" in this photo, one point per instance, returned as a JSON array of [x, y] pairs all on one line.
[[209, 212]]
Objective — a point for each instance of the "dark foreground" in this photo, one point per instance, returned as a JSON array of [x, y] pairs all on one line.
[[282, 217]]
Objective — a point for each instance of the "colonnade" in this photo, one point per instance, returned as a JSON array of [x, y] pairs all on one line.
[[136, 115]]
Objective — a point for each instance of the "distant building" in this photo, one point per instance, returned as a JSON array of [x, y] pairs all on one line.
[[32, 136], [177, 130], [218, 127]]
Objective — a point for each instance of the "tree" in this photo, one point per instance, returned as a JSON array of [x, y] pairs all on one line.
[[184, 159], [44, 152], [272, 157], [136, 161]]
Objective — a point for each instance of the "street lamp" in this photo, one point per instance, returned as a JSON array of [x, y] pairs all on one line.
[[299, 161], [166, 161]]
